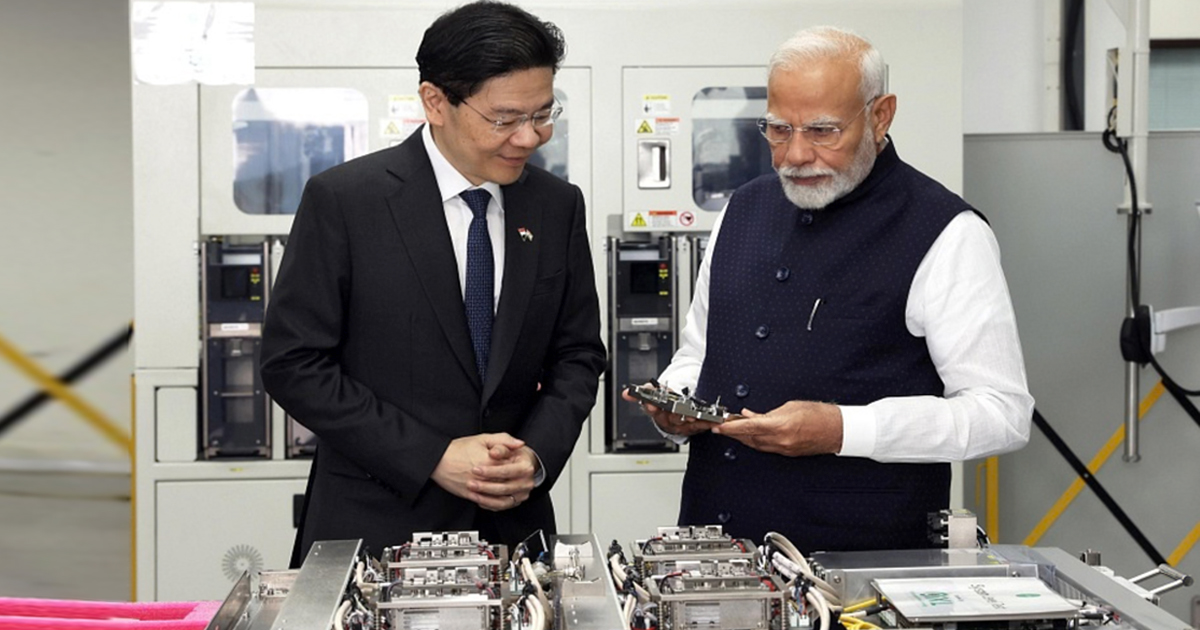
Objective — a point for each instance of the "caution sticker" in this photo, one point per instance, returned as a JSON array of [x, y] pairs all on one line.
[[656, 104], [643, 126], [653, 219], [395, 130], [667, 126], [404, 106]]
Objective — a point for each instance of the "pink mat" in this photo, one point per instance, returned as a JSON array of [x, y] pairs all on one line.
[[63, 614]]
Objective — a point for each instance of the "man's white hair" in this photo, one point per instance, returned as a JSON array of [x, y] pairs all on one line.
[[819, 43]]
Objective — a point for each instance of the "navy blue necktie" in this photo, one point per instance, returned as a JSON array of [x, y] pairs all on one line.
[[478, 298]]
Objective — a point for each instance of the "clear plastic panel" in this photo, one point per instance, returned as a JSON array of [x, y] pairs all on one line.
[[727, 149], [283, 136]]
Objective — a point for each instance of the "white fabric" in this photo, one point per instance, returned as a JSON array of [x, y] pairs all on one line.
[[458, 214], [959, 302]]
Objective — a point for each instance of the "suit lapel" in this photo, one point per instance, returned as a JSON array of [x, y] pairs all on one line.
[[417, 209], [521, 212]]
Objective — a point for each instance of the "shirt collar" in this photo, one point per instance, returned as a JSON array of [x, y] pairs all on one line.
[[451, 182]]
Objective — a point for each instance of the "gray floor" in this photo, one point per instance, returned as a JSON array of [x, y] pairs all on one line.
[[65, 536]]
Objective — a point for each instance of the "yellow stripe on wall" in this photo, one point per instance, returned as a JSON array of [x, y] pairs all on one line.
[[1094, 466], [57, 389]]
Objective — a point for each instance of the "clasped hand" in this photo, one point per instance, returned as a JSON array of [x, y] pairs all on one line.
[[493, 470]]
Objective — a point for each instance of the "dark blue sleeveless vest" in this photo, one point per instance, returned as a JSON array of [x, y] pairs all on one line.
[[770, 341]]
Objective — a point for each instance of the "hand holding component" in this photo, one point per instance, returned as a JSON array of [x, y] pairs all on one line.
[[651, 396], [794, 429]]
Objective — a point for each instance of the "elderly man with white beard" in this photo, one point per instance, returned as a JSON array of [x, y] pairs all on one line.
[[854, 315]]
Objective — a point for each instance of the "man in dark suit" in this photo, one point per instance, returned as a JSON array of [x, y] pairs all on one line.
[[435, 320]]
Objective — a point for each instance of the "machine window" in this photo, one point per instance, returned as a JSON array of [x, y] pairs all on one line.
[[283, 136], [552, 156], [727, 149]]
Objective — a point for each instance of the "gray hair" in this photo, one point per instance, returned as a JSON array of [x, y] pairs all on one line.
[[830, 42]]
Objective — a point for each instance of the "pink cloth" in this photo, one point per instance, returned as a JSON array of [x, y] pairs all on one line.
[[62, 614]]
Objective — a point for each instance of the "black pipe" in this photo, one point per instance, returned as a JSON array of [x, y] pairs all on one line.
[[1072, 65], [118, 342], [1101, 493]]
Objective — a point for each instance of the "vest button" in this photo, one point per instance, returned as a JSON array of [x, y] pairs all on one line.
[[782, 273], [763, 332], [806, 218], [742, 390], [724, 517], [730, 454]]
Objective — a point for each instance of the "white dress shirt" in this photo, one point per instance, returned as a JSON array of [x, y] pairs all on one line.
[[959, 302], [458, 214]]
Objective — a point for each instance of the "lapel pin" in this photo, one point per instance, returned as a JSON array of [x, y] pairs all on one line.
[[526, 235]]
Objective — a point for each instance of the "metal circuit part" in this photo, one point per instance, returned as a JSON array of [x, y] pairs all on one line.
[[660, 555], [955, 529], [447, 580], [682, 404], [719, 594], [700, 577]]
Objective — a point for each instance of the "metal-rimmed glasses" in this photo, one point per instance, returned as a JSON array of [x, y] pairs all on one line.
[[820, 134], [508, 125]]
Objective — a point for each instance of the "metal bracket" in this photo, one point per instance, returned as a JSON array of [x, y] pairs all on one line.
[[682, 404]]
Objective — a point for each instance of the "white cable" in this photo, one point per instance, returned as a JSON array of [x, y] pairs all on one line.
[[614, 562], [786, 568], [341, 612], [627, 610], [793, 554], [818, 601], [530, 576], [538, 613], [619, 573], [643, 594]]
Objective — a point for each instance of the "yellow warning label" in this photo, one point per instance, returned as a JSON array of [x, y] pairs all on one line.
[[638, 221], [645, 127], [391, 129]]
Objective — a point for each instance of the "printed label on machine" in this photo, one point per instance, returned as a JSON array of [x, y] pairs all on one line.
[[653, 219], [397, 129], [656, 104], [667, 126], [643, 126], [404, 106]]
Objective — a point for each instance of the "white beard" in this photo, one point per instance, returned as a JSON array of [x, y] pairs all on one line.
[[840, 182]]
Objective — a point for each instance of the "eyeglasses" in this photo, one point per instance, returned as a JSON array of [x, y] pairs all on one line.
[[821, 135], [506, 126]]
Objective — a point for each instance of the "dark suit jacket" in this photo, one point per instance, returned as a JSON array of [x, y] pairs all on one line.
[[366, 343]]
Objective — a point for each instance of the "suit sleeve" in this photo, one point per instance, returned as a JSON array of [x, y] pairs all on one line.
[[574, 362], [302, 337]]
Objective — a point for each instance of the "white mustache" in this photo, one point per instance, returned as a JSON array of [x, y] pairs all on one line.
[[795, 171]]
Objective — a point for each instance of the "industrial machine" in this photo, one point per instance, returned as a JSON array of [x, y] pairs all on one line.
[[220, 165], [439, 580], [699, 577], [642, 334], [235, 411]]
